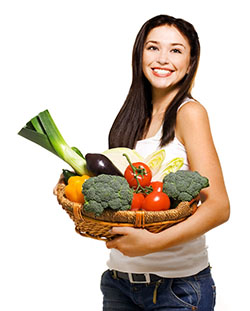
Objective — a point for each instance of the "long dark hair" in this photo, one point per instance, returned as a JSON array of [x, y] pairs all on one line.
[[129, 125]]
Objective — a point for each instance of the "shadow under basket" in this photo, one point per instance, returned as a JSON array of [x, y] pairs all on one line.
[[98, 227]]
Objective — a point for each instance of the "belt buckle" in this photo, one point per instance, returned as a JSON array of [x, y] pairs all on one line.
[[146, 275]]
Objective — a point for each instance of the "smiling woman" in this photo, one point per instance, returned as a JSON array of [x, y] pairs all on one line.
[[160, 112]]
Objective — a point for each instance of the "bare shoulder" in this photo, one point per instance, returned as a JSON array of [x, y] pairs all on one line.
[[192, 118], [192, 109]]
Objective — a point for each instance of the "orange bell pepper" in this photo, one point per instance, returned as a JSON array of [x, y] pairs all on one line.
[[73, 190]]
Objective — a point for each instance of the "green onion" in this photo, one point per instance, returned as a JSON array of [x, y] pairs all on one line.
[[43, 131]]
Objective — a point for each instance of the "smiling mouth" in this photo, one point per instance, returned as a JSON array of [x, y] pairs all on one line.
[[161, 72]]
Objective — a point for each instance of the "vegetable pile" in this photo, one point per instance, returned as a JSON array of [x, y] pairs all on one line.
[[118, 178]]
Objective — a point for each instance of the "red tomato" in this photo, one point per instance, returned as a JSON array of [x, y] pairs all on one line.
[[157, 185], [137, 201], [144, 174], [156, 201]]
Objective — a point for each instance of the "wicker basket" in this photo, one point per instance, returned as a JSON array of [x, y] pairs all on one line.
[[98, 227]]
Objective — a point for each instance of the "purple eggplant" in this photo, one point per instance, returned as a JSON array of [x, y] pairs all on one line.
[[98, 164]]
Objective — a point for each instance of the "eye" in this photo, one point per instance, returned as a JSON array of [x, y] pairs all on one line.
[[152, 48], [176, 51]]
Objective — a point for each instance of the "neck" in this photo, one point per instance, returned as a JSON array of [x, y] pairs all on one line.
[[162, 99]]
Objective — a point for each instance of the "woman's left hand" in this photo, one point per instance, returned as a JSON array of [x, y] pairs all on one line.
[[132, 242]]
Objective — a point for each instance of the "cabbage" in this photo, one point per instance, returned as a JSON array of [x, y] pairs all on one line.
[[172, 166], [155, 160], [115, 155]]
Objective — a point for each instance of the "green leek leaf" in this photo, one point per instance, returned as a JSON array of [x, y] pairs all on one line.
[[37, 125], [38, 138], [43, 131]]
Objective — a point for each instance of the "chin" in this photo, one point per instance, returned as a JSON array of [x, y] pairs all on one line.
[[162, 86]]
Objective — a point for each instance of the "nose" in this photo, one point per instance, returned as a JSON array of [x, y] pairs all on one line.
[[163, 58]]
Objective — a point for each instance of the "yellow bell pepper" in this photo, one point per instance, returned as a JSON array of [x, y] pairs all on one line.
[[73, 190]]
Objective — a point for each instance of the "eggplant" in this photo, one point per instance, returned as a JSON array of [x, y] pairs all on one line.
[[67, 174], [98, 163]]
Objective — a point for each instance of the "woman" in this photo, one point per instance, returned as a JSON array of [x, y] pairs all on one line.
[[168, 270]]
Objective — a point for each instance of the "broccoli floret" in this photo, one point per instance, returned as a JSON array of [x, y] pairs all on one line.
[[184, 185], [106, 191]]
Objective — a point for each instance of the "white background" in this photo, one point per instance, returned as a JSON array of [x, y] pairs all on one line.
[[74, 58]]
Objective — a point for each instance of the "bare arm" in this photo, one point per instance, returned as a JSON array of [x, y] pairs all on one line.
[[193, 131]]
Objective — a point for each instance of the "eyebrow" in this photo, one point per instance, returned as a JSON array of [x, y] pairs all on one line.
[[172, 44]]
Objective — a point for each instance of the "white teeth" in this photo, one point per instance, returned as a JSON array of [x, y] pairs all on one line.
[[162, 71]]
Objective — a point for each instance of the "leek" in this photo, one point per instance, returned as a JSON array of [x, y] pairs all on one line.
[[43, 131]]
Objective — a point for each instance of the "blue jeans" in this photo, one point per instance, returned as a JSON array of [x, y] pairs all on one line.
[[166, 294]]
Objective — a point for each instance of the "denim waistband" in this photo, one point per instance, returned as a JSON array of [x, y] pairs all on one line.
[[149, 277]]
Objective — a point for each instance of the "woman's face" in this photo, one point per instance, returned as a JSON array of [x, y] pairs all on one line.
[[166, 57]]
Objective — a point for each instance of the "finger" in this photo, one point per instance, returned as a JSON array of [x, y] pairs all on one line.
[[111, 244], [120, 230], [114, 242]]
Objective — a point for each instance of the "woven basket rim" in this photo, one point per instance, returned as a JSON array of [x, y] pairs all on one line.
[[182, 211]]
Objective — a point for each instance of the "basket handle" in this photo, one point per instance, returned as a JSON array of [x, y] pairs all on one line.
[[77, 208], [194, 204], [139, 219]]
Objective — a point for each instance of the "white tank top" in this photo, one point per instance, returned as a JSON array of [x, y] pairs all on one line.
[[183, 260]]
